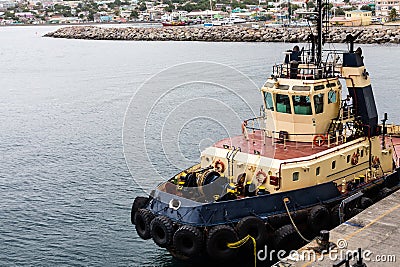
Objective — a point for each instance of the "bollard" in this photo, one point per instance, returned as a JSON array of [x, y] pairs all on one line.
[[324, 240]]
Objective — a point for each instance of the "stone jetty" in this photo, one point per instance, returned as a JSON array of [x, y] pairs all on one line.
[[371, 35]]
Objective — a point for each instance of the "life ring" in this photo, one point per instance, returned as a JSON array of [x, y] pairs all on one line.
[[138, 203], [143, 219], [162, 230], [319, 140], [188, 240], [219, 166], [261, 177], [319, 219], [244, 124], [254, 227], [217, 240], [354, 158]]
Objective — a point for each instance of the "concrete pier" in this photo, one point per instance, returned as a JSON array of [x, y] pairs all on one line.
[[376, 231]]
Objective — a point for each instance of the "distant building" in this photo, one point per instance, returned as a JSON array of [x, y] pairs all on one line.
[[353, 18], [4, 5], [28, 15], [363, 15], [106, 18], [383, 7]]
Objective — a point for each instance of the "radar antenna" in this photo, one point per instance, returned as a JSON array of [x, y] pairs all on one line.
[[350, 40]]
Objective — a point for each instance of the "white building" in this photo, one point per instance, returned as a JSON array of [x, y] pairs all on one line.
[[383, 7], [6, 4]]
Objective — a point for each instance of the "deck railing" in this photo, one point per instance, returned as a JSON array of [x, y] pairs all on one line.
[[304, 68], [281, 137]]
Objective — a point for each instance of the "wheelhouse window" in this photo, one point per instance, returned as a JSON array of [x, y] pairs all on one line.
[[283, 87], [269, 85], [319, 103], [282, 103], [331, 97], [301, 88], [268, 101], [302, 104], [329, 85]]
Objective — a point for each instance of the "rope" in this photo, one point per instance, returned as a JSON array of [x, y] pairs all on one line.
[[294, 225], [243, 241]]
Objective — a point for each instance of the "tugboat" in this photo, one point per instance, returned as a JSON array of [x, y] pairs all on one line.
[[308, 163]]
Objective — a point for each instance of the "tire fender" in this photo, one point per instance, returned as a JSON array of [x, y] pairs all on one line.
[[217, 240], [143, 219], [138, 203], [162, 231], [319, 218], [254, 227], [188, 240]]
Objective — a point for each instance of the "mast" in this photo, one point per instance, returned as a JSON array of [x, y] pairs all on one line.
[[319, 32]]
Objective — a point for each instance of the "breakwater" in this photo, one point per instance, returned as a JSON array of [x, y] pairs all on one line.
[[224, 34]]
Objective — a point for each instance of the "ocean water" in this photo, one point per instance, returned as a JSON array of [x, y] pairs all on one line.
[[69, 109]]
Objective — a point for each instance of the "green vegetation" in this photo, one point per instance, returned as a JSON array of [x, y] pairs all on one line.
[[134, 14], [339, 12], [365, 7], [393, 14]]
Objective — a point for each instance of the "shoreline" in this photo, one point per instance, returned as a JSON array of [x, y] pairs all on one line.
[[82, 24], [371, 35]]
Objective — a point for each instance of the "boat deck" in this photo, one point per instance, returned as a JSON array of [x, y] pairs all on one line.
[[289, 150], [272, 148]]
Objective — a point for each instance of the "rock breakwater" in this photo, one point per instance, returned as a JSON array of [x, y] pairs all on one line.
[[223, 34]]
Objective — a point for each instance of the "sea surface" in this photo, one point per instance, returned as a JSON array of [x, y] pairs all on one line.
[[69, 109]]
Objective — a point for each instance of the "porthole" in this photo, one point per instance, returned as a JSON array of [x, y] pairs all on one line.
[[348, 159], [317, 171], [296, 176], [362, 153], [334, 164]]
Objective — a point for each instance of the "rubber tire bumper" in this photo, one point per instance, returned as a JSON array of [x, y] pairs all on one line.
[[319, 219], [365, 202], [254, 227], [188, 240], [162, 231], [287, 238], [143, 219], [138, 203], [217, 240]]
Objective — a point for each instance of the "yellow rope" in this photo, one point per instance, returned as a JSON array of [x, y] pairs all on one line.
[[243, 241], [294, 225]]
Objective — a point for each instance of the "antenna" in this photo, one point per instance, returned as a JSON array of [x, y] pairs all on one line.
[[319, 32], [350, 39]]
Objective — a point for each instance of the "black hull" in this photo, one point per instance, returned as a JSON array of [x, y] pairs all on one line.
[[312, 209], [226, 212]]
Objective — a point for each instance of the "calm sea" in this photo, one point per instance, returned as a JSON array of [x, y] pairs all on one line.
[[65, 186]]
